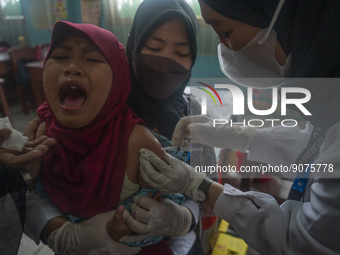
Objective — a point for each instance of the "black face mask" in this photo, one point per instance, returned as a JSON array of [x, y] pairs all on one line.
[[160, 77]]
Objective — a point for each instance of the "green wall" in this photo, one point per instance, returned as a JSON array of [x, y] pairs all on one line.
[[206, 63]]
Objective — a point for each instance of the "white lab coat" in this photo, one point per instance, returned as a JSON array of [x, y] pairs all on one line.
[[279, 145], [309, 227]]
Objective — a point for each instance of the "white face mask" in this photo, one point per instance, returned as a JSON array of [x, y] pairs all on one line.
[[255, 64], [254, 61]]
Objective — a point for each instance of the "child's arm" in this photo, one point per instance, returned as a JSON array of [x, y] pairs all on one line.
[[141, 137], [182, 216]]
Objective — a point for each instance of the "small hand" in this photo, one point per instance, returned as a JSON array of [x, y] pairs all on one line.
[[29, 159], [116, 228], [4, 134], [35, 129]]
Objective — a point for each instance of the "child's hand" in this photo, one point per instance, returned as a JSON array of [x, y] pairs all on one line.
[[35, 129], [116, 228], [28, 160], [32, 151], [158, 196]]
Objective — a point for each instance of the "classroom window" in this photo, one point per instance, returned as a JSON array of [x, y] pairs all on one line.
[[11, 10], [128, 8]]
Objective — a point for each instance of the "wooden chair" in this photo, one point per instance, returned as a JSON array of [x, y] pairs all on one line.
[[3, 102], [26, 54]]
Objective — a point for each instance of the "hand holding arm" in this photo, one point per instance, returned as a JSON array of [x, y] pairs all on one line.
[[175, 177], [152, 218], [88, 236], [172, 177]]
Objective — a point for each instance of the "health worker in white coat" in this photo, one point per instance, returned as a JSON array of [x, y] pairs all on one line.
[[291, 44]]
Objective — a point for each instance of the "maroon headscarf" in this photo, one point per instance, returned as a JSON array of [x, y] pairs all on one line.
[[83, 173]]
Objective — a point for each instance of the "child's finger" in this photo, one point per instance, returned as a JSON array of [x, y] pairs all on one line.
[[157, 196], [118, 216], [4, 134], [32, 128], [41, 130]]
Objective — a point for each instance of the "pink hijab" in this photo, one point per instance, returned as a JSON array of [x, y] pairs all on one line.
[[83, 173]]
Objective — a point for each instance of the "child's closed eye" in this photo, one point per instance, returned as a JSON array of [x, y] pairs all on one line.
[[59, 57], [94, 60]]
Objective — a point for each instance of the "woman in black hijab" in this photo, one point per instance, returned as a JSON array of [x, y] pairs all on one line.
[[158, 77], [161, 56], [162, 110]]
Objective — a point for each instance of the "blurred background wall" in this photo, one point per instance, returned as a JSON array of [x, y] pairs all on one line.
[[30, 22]]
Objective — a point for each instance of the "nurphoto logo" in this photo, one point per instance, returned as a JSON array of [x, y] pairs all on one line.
[[238, 104]]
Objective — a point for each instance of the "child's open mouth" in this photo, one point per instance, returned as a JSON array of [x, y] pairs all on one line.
[[72, 96]]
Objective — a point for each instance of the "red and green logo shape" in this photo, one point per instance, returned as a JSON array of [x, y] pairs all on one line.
[[209, 93]]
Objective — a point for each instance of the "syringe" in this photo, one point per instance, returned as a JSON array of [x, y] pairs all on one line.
[[180, 148]]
